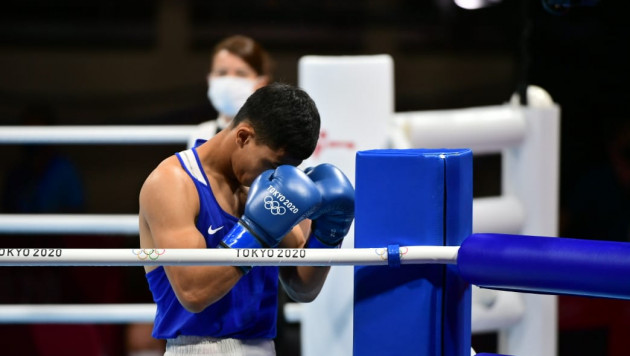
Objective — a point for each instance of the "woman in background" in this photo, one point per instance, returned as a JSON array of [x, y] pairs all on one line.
[[239, 65]]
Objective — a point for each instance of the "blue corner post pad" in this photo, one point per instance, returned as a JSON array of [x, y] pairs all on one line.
[[393, 255]]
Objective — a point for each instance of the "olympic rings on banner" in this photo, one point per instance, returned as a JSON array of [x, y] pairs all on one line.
[[150, 253], [403, 250], [382, 252]]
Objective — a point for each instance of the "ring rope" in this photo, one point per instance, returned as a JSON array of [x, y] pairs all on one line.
[[55, 224], [226, 257], [97, 134], [77, 313], [503, 214]]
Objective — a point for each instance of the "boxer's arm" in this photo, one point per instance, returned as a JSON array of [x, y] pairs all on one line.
[[302, 283], [167, 210], [329, 226]]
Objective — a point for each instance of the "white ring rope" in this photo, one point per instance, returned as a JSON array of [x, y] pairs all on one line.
[[227, 257], [132, 134], [483, 129], [503, 214], [116, 224], [77, 313]]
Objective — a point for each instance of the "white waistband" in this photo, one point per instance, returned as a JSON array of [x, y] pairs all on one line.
[[198, 346]]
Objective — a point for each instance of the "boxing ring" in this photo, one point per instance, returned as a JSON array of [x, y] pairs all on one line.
[[526, 137]]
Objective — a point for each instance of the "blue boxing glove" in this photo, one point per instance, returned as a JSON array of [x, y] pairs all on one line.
[[277, 201], [332, 220]]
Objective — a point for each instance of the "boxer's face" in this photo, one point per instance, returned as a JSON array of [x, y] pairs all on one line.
[[252, 158]]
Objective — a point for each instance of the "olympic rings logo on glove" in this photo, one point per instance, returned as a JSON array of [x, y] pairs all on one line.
[[274, 206], [148, 253]]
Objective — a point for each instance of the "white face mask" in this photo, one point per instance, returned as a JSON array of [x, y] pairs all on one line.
[[228, 93]]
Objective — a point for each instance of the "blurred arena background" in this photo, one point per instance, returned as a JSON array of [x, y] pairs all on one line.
[[118, 62]]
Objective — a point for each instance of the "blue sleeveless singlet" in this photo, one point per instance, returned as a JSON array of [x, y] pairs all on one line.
[[248, 311]]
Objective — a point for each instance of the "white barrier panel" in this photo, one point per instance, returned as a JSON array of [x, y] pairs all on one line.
[[120, 224], [77, 313], [355, 98], [482, 129], [174, 134]]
